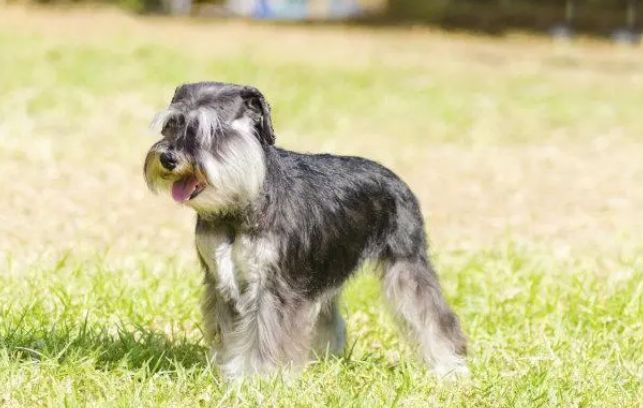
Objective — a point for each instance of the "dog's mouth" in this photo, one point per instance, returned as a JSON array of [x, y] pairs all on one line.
[[186, 189]]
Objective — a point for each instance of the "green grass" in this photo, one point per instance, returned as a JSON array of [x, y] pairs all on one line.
[[525, 157], [545, 331]]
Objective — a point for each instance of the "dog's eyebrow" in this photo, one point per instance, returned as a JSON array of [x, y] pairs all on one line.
[[165, 117], [206, 121], [171, 122]]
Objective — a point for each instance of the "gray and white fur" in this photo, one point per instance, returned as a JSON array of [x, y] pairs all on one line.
[[278, 234]]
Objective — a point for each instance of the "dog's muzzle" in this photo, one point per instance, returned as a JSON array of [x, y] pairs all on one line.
[[172, 167]]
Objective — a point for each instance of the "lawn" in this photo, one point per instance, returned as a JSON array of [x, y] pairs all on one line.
[[525, 154]]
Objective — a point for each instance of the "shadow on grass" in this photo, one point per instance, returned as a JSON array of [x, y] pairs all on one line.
[[110, 348]]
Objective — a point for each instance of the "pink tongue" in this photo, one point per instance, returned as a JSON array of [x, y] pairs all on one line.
[[183, 189]]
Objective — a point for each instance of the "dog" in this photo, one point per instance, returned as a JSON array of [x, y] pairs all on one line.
[[278, 233]]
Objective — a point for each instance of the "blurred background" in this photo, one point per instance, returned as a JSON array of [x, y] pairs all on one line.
[[619, 19], [509, 118]]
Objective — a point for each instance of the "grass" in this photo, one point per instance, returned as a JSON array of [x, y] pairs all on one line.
[[546, 331], [525, 156]]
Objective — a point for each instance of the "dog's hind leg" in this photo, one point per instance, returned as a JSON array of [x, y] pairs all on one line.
[[412, 288], [329, 332]]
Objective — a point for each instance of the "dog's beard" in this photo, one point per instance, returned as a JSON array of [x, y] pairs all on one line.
[[224, 180], [235, 173]]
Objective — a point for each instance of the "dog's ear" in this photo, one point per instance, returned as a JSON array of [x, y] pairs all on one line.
[[256, 103], [179, 93]]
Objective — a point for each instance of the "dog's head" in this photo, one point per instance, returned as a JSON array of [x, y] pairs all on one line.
[[211, 154]]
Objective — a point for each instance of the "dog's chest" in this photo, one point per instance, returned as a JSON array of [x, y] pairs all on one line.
[[235, 263]]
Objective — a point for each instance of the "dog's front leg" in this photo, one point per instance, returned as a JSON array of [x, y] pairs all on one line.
[[272, 331], [218, 318]]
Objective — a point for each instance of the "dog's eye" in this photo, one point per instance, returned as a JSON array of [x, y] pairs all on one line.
[[171, 126], [167, 128]]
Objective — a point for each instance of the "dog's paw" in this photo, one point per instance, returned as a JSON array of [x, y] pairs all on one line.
[[452, 373]]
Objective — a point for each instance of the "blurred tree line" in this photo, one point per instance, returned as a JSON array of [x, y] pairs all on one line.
[[491, 16], [411, 5], [496, 16]]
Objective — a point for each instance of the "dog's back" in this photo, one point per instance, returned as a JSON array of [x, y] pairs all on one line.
[[333, 212]]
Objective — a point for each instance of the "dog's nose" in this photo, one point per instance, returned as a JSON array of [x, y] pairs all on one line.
[[168, 161]]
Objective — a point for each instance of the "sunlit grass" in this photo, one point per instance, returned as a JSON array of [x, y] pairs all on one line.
[[525, 156], [545, 331]]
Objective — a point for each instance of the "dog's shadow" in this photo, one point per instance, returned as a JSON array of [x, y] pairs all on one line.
[[109, 347]]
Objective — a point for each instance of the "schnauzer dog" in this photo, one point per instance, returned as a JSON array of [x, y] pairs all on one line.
[[278, 233]]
